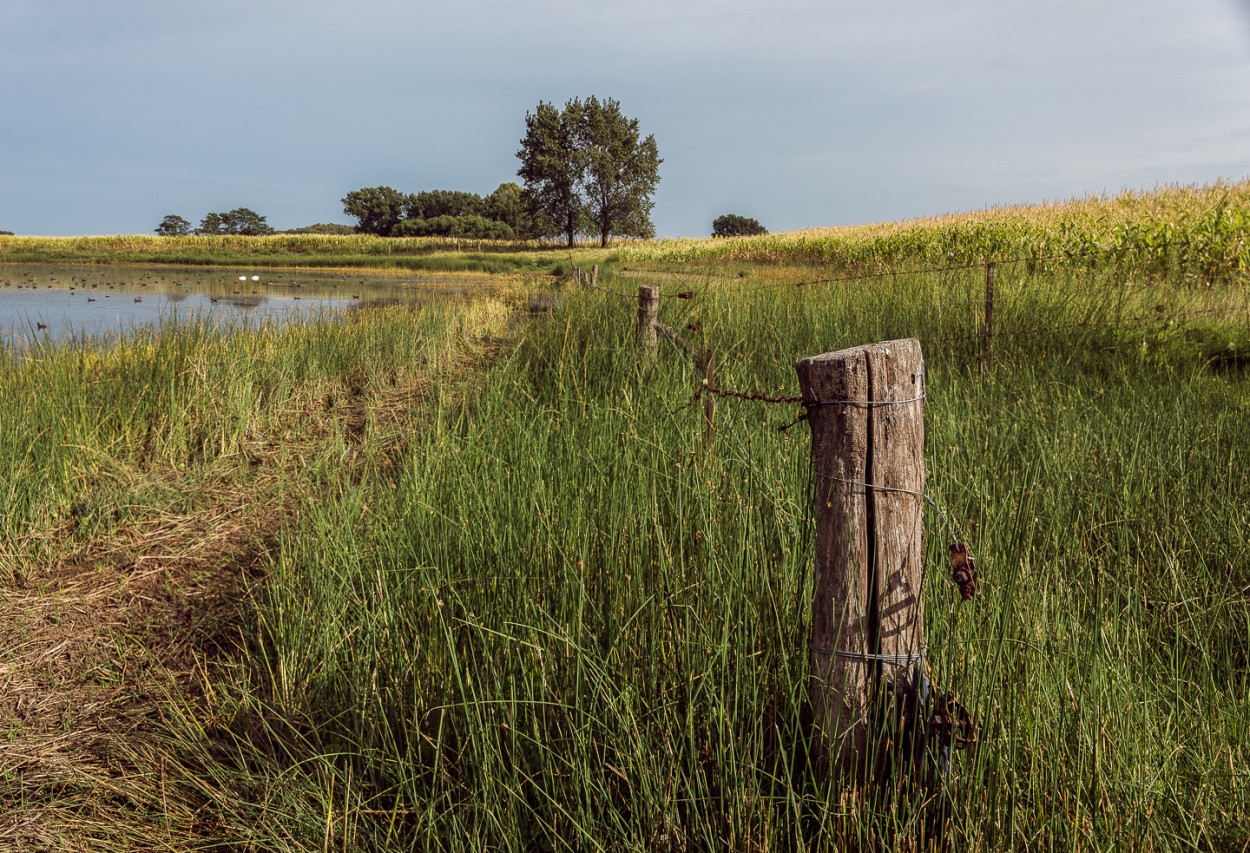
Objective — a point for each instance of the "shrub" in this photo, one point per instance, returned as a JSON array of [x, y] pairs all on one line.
[[733, 225]]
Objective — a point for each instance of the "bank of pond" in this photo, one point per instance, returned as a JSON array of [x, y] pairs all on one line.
[[65, 303]]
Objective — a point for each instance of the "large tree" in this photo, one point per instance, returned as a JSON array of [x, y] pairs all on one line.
[[552, 164], [620, 170], [586, 167]]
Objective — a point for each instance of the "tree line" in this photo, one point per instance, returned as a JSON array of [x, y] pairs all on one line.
[[240, 221], [387, 212], [586, 169]]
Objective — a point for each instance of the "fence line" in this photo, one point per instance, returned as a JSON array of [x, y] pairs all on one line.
[[987, 333], [938, 715], [1105, 257]]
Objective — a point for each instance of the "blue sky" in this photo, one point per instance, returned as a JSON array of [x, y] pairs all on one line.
[[797, 113]]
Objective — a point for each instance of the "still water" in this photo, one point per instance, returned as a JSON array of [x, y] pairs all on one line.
[[65, 303]]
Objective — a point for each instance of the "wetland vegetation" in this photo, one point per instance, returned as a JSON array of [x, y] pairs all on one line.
[[456, 575]]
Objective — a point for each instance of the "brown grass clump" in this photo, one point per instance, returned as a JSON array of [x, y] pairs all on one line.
[[91, 648]]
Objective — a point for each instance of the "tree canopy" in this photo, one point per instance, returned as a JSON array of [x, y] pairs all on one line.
[[322, 228], [621, 171], [586, 168], [173, 226], [503, 215], [733, 225], [552, 163], [377, 209]]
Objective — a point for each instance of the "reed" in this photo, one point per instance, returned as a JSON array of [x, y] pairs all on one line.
[[434, 254], [95, 428]]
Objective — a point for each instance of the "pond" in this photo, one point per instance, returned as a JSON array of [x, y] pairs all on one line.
[[48, 303]]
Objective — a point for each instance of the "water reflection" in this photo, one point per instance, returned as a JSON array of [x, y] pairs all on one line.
[[57, 303]]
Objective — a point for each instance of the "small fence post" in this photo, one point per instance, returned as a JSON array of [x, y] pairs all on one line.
[[594, 276], [709, 406], [865, 409], [987, 334], [648, 310]]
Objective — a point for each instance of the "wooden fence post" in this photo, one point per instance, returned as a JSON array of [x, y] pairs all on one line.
[[987, 334], [865, 409], [594, 276], [648, 310]]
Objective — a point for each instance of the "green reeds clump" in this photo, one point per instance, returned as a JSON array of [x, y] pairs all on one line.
[[94, 433], [432, 254], [563, 621]]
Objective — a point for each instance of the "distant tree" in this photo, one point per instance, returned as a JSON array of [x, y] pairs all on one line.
[[469, 227], [586, 168], [510, 204], [621, 171], [212, 223], [6, 234], [173, 226], [241, 221], [323, 228], [552, 164], [432, 204], [733, 225], [504, 215], [377, 209], [247, 222]]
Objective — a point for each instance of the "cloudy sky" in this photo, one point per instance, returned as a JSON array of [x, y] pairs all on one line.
[[796, 112]]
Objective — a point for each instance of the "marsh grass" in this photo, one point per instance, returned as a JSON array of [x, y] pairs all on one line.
[[154, 476], [418, 254], [559, 622]]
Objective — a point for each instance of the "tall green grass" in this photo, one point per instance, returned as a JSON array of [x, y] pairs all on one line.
[[560, 622], [433, 254], [95, 434]]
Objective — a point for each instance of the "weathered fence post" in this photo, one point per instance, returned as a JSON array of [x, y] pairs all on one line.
[[865, 408], [987, 334], [594, 276], [648, 310]]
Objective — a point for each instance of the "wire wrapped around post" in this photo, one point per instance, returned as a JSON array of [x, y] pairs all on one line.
[[865, 408]]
